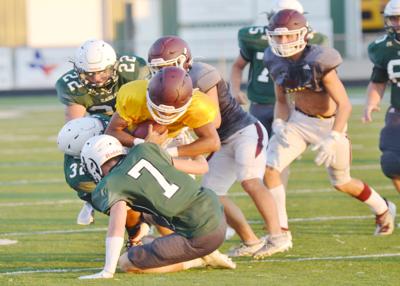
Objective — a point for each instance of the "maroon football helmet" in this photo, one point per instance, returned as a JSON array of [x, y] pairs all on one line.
[[169, 94], [169, 51], [292, 24]]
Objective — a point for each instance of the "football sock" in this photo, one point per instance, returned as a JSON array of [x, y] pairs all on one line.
[[280, 199], [373, 200], [198, 262]]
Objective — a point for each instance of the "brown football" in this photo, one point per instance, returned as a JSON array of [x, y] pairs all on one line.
[[142, 128]]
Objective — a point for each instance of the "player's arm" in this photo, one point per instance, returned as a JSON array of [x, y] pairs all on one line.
[[236, 79], [197, 165], [375, 92], [282, 108], [73, 111], [114, 241], [337, 92], [213, 94], [207, 142], [117, 127]]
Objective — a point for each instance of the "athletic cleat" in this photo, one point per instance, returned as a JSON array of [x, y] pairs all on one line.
[[275, 244], [217, 259], [86, 215], [246, 250], [385, 222]]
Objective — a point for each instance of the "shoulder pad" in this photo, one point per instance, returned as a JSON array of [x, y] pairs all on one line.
[[325, 58], [376, 50], [204, 76]]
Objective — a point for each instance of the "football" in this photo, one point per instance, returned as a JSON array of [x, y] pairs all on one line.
[[141, 129]]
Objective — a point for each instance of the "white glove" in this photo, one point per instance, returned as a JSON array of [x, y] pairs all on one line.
[[327, 149], [279, 128], [101, 275]]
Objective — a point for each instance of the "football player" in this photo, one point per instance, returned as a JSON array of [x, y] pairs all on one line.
[[169, 99], [70, 141], [385, 55], [146, 180], [243, 148], [92, 85], [307, 74], [260, 87]]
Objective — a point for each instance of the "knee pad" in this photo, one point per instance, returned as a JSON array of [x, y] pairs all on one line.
[[390, 164]]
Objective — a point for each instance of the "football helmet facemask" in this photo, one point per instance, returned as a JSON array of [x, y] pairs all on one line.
[[169, 95], [391, 16], [169, 51], [96, 64], [292, 25], [98, 150], [75, 132]]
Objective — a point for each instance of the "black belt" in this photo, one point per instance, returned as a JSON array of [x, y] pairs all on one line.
[[314, 116]]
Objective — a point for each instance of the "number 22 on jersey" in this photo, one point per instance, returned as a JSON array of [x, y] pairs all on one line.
[[135, 172]]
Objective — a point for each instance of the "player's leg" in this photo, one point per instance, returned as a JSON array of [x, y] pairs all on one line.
[[278, 160], [175, 252], [339, 173], [221, 176]]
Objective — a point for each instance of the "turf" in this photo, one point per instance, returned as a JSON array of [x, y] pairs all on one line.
[[332, 233]]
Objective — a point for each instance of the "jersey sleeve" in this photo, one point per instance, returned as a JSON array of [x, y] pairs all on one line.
[[62, 92], [201, 111], [244, 46], [375, 54], [132, 68], [130, 99], [205, 76], [328, 59]]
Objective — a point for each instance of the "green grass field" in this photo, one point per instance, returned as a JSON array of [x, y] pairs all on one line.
[[332, 233]]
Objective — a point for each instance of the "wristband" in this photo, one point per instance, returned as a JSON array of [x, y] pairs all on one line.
[[172, 151], [138, 141]]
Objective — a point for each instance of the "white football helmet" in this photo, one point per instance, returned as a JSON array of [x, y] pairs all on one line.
[[98, 150], [288, 4], [75, 132], [392, 9], [96, 64]]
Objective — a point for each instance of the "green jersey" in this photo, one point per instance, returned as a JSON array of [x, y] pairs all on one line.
[[74, 173], [148, 182], [252, 43], [385, 55], [71, 91]]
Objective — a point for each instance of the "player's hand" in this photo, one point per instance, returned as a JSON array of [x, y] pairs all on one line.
[[367, 116], [280, 131], [155, 137], [101, 275], [327, 149], [240, 97]]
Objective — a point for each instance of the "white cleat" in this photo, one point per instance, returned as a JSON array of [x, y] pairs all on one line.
[[86, 215], [244, 250], [217, 259], [275, 244]]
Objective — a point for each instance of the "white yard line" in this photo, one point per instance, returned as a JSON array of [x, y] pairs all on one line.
[[300, 259], [63, 231], [41, 203]]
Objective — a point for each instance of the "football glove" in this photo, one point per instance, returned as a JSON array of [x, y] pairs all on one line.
[[327, 149], [279, 128]]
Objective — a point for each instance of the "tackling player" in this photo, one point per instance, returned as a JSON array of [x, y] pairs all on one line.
[[145, 180], [385, 55], [243, 148], [307, 73]]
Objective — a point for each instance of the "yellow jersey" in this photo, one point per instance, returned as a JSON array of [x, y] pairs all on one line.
[[132, 107]]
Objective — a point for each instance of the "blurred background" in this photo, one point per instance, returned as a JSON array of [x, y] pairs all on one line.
[[38, 38]]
